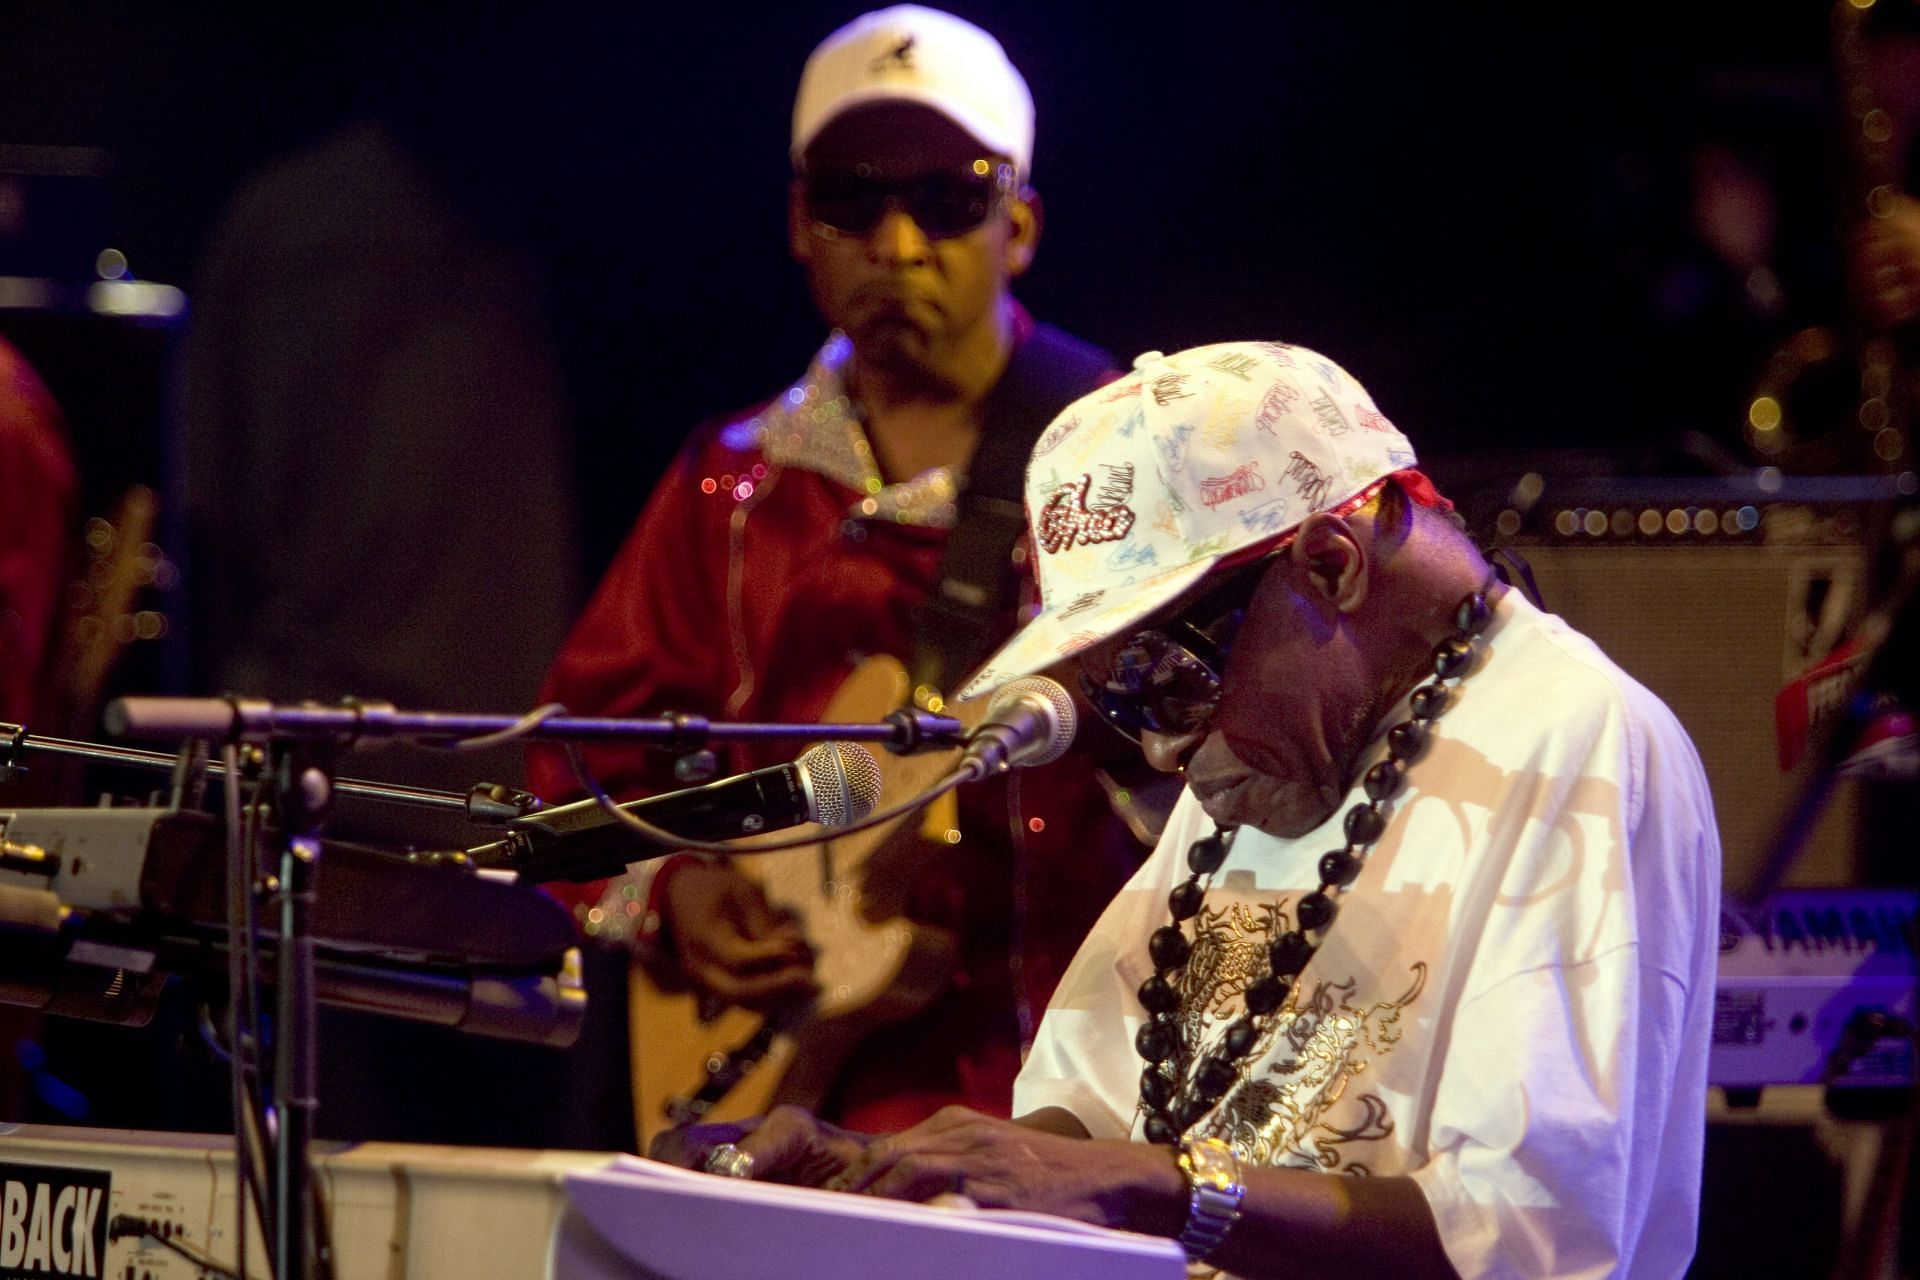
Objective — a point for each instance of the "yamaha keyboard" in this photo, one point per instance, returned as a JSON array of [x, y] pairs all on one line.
[[1816, 987]]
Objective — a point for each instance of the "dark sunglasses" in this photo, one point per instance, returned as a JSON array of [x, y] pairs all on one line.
[[1167, 678], [942, 205]]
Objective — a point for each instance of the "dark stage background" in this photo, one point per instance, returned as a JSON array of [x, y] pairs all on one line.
[[1472, 206]]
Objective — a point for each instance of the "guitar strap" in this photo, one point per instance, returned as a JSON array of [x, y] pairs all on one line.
[[964, 617]]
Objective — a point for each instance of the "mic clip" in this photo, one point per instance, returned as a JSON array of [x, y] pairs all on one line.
[[687, 732], [915, 731], [13, 747], [493, 804]]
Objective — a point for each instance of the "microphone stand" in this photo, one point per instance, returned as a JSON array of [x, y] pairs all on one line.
[[904, 731], [301, 743], [303, 789], [487, 804]]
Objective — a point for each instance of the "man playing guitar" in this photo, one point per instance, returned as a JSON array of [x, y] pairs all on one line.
[[870, 510]]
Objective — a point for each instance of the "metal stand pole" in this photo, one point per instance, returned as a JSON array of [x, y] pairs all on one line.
[[304, 789]]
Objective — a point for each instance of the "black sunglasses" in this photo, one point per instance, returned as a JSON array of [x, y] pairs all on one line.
[[942, 205], [1168, 678]]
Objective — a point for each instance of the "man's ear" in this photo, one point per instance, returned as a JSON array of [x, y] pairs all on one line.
[[1334, 560], [799, 225], [1026, 217]]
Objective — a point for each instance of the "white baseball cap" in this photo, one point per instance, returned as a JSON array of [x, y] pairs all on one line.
[[908, 53], [1138, 490]]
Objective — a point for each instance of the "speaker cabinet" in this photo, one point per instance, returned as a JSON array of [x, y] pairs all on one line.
[[1715, 600]]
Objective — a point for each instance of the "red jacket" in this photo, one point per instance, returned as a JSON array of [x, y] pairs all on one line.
[[37, 488], [748, 591]]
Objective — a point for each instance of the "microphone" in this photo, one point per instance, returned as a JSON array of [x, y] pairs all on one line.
[[834, 784], [1028, 721]]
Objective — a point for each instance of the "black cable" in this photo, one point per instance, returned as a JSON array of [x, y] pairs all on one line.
[[1024, 1020], [260, 1131], [253, 1121], [256, 1035], [237, 890], [210, 1035], [664, 837], [518, 729], [125, 1225], [322, 1229]]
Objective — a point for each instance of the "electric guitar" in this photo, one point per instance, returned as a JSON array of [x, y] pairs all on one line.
[[873, 966]]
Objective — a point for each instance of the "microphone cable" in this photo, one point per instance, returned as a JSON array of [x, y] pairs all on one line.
[[660, 835]]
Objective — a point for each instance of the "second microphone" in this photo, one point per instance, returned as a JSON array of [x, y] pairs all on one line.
[[834, 784]]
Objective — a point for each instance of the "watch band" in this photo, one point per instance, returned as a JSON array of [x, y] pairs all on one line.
[[1214, 1193]]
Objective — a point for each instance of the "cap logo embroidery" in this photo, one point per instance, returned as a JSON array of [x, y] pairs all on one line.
[[1174, 447], [1077, 641], [1054, 435], [1134, 555], [1066, 518], [1268, 517], [1238, 483], [1273, 406], [1371, 418], [1082, 603], [1169, 387], [897, 58], [1221, 429], [1236, 363], [1332, 421], [1308, 480]]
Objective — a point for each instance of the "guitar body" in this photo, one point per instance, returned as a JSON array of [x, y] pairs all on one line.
[[874, 967]]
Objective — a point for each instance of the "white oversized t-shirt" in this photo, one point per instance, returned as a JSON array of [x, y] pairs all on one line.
[[1514, 1003]]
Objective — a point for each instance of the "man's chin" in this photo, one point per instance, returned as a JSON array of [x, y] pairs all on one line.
[[892, 329], [898, 350], [1286, 813]]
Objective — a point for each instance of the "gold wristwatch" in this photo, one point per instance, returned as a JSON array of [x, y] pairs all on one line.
[[1214, 1193]]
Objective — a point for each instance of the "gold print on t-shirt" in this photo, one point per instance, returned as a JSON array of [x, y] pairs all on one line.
[[1229, 952], [1308, 1052]]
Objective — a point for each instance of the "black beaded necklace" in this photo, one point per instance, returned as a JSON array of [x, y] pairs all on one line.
[[1171, 1111]]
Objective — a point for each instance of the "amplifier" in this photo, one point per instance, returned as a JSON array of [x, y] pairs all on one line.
[[109, 1204], [1714, 595]]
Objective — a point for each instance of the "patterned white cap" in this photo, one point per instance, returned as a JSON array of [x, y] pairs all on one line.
[[1138, 489], [912, 54]]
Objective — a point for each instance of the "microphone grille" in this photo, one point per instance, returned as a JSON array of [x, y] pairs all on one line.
[[1040, 693], [846, 782]]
